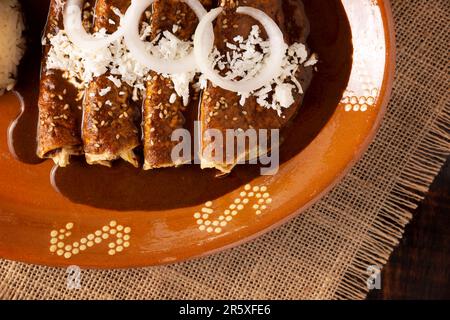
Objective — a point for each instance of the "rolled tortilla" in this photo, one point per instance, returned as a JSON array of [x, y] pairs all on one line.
[[220, 109], [58, 132], [109, 114], [164, 111]]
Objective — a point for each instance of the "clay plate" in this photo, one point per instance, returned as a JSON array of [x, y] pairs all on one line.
[[340, 117]]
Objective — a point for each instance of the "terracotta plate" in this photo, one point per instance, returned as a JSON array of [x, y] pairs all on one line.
[[340, 116]]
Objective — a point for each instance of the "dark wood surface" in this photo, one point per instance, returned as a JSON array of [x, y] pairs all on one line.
[[420, 267]]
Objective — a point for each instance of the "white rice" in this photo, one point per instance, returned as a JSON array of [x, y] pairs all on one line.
[[11, 42]]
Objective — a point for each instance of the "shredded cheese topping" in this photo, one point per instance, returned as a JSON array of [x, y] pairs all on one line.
[[244, 59], [84, 65]]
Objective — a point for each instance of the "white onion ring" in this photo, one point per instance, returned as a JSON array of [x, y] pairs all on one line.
[[77, 34], [204, 43], [137, 46]]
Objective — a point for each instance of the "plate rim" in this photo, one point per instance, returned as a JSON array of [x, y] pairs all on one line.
[[388, 78]]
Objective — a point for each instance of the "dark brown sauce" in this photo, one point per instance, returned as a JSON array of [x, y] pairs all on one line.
[[125, 188], [22, 132]]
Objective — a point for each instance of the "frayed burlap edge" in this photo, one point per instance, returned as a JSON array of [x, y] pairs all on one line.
[[388, 227]]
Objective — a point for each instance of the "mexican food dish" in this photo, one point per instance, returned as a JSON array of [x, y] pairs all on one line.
[[107, 103], [135, 100]]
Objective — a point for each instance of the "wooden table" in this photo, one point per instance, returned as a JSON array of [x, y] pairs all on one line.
[[420, 267]]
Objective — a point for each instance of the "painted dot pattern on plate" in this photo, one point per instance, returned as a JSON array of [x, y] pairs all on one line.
[[361, 103], [257, 197], [118, 235]]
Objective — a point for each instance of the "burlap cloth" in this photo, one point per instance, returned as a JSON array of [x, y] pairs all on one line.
[[325, 252]]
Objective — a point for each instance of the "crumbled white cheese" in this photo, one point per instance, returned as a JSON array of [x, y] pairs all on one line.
[[202, 82], [245, 60], [135, 96], [169, 47], [84, 65], [104, 92], [117, 12], [115, 80], [311, 61], [146, 31], [81, 64], [283, 94], [181, 83], [173, 98]]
